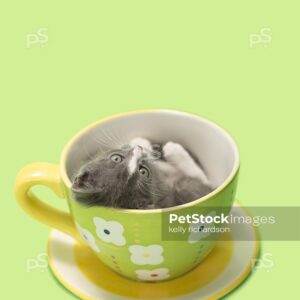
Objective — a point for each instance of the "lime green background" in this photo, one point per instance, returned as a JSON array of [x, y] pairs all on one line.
[[104, 57]]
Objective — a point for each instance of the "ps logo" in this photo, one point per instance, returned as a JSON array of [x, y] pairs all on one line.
[[38, 263], [40, 38], [265, 262], [263, 37]]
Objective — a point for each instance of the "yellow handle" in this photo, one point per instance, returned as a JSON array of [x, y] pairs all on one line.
[[48, 175]]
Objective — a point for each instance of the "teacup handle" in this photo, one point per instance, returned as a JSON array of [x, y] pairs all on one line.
[[47, 175]]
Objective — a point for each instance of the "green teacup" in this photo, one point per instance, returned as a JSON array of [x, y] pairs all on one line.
[[130, 241]]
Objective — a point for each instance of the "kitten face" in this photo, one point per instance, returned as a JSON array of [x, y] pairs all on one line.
[[124, 178]]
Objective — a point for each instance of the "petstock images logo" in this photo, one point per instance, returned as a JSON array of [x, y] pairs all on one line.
[[204, 223]]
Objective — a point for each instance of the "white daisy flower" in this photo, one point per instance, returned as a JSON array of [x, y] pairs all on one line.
[[110, 231], [146, 255]]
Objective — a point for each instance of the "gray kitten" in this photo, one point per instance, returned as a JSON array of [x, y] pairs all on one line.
[[141, 175]]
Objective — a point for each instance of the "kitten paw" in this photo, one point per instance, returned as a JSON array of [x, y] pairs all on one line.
[[179, 157], [174, 152]]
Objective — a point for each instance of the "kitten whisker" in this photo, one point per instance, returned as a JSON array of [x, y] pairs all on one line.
[[141, 189], [103, 142], [147, 192], [117, 138], [90, 157], [99, 144], [151, 184], [110, 138], [141, 184]]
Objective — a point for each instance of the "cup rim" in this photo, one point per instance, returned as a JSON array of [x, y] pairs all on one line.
[[227, 181]]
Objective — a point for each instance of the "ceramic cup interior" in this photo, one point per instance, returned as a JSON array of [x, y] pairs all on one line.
[[209, 143]]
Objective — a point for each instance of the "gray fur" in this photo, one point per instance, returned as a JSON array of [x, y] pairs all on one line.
[[105, 182]]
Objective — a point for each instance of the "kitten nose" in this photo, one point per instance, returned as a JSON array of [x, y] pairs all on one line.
[[137, 150]]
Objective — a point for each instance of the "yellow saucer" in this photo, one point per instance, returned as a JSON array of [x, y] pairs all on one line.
[[78, 269]]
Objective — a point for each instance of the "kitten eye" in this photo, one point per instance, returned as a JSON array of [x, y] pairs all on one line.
[[144, 171], [117, 158]]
